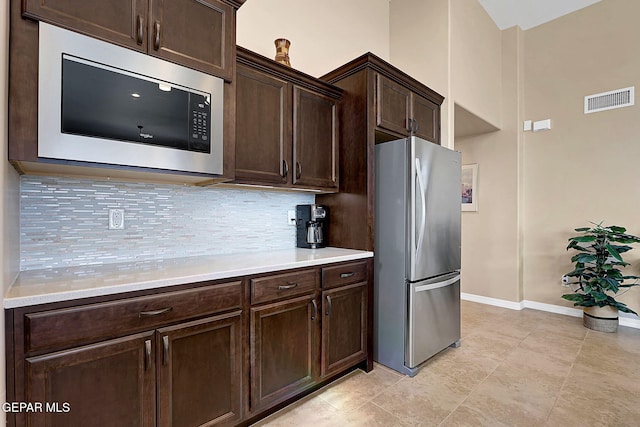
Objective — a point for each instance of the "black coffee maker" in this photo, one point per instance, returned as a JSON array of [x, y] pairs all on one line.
[[312, 224]]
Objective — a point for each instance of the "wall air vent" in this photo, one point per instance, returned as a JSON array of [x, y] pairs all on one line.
[[609, 100]]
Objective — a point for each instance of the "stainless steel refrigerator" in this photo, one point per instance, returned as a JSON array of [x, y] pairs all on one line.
[[417, 252]]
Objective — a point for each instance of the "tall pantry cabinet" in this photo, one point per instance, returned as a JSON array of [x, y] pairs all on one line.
[[380, 103]]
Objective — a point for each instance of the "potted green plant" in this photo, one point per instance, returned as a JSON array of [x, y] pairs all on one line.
[[596, 276]]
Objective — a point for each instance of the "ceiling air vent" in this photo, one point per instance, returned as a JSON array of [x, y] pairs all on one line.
[[608, 100]]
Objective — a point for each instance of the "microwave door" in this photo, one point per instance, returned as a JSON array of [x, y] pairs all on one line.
[[102, 103]]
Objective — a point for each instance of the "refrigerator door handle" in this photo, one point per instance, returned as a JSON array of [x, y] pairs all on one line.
[[423, 199], [437, 285]]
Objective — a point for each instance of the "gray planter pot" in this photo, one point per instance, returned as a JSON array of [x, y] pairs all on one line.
[[601, 319]]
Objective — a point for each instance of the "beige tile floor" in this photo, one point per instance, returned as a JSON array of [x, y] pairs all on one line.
[[514, 368]]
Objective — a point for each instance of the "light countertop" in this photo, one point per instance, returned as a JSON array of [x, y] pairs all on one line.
[[63, 284]]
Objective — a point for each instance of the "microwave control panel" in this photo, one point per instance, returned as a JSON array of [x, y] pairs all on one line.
[[200, 130]]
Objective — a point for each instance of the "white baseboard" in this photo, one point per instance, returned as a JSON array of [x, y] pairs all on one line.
[[629, 320], [625, 319], [492, 301], [552, 308]]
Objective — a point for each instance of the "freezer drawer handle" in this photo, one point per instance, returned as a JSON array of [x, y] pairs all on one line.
[[345, 275], [438, 284]]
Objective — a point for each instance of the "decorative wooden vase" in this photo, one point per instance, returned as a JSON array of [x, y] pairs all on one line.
[[602, 319], [282, 51]]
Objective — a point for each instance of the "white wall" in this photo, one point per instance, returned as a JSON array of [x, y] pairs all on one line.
[[9, 243], [323, 34]]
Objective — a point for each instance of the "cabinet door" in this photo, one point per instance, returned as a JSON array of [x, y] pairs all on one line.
[[199, 372], [393, 106], [344, 327], [195, 33], [107, 384], [284, 350], [426, 116], [315, 140], [118, 21], [263, 127]]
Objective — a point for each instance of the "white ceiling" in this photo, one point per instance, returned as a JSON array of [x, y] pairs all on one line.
[[530, 13]]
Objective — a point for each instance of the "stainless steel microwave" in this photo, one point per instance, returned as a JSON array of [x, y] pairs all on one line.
[[102, 103]]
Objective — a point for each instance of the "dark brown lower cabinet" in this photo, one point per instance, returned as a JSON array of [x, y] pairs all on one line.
[[195, 368], [112, 383], [284, 350], [344, 327], [209, 354], [199, 372]]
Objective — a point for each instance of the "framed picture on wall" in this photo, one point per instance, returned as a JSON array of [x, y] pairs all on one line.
[[470, 188]]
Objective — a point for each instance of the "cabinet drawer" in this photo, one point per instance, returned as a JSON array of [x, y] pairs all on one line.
[[344, 274], [62, 328], [270, 288]]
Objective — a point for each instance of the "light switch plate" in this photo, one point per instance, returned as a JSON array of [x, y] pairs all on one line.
[[542, 125]]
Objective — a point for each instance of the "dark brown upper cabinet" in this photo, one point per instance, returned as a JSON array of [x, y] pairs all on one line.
[[401, 111], [263, 109], [199, 34], [315, 138], [117, 21], [286, 126]]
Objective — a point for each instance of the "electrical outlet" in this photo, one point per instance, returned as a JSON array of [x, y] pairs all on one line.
[[116, 219], [291, 217]]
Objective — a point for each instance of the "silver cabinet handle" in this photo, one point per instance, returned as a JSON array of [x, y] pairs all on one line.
[[287, 286], [155, 312], [139, 29], [285, 169], [156, 36], [345, 275], [414, 127], [328, 312], [147, 354], [165, 349], [315, 309], [298, 170]]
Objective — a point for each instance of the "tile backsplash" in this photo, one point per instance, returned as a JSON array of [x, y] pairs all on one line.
[[65, 221]]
